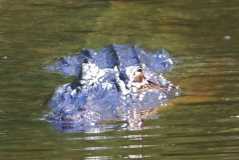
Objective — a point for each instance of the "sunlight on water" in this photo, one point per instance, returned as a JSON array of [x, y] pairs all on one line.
[[202, 36]]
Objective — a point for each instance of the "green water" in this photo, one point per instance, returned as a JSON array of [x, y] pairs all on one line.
[[202, 36]]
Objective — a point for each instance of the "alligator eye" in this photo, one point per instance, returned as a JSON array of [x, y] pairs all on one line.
[[139, 75], [139, 70], [85, 60]]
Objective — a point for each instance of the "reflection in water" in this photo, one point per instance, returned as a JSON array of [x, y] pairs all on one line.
[[134, 122], [138, 147], [97, 158]]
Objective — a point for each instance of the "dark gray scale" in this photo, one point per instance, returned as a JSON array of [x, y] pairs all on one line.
[[106, 58], [158, 61], [71, 65], [85, 56], [126, 55]]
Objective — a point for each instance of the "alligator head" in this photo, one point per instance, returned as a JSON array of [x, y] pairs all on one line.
[[111, 84]]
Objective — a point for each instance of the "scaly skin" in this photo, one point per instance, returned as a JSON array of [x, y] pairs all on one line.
[[111, 84]]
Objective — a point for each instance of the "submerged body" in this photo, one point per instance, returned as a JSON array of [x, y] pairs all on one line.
[[111, 84]]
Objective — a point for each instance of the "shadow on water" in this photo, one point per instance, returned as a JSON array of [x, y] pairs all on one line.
[[202, 36]]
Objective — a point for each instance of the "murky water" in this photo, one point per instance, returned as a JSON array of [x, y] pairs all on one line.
[[203, 37]]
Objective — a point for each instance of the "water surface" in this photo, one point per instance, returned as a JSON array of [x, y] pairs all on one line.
[[201, 35]]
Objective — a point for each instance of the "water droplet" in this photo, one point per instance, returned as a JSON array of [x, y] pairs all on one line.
[[5, 57], [227, 37]]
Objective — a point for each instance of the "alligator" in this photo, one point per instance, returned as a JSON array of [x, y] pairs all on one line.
[[110, 84]]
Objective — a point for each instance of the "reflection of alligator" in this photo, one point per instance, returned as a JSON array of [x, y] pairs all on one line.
[[111, 84]]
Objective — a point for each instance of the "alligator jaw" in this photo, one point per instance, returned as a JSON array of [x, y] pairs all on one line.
[[152, 86]]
